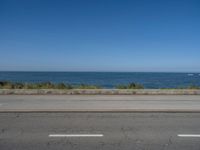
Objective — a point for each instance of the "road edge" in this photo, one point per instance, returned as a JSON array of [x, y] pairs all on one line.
[[103, 111], [100, 92]]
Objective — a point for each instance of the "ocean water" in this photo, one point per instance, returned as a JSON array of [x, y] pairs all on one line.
[[107, 79]]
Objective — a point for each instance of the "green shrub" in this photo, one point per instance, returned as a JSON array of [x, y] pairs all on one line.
[[6, 85], [47, 85], [85, 86], [68, 86], [121, 87], [130, 86], [193, 87], [18, 85], [63, 86]]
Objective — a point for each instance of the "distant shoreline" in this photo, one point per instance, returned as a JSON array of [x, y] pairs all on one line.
[[184, 72]]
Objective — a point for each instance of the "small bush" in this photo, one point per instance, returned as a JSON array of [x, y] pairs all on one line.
[[6, 85], [61, 86], [18, 85], [193, 87], [130, 86], [47, 85], [68, 86], [121, 87], [85, 86], [64, 86]]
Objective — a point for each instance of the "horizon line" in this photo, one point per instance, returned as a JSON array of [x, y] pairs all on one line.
[[103, 71]]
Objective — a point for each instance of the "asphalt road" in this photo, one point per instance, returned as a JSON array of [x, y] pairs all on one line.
[[108, 131], [183, 103], [82, 122]]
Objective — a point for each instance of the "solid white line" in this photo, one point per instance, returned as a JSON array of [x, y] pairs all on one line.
[[189, 135], [76, 135]]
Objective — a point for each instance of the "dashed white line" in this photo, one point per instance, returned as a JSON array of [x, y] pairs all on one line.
[[76, 135], [189, 135]]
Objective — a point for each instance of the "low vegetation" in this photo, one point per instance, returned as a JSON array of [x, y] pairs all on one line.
[[49, 85], [130, 86], [86, 86], [44, 85], [191, 87]]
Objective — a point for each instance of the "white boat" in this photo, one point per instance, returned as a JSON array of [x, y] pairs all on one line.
[[190, 74]]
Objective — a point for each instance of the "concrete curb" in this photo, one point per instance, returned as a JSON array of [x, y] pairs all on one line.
[[99, 92]]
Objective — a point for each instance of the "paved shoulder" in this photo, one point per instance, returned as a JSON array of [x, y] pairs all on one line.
[[120, 103]]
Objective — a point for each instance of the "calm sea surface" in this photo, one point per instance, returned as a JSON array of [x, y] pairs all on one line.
[[107, 79]]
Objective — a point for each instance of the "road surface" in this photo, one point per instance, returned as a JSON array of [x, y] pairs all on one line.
[[99, 122], [183, 103], [103, 131]]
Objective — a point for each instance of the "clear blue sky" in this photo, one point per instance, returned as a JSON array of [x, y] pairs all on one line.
[[100, 35]]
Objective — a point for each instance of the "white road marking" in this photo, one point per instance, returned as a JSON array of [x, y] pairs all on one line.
[[76, 135], [189, 135]]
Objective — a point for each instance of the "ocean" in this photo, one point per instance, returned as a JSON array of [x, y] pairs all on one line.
[[107, 79]]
